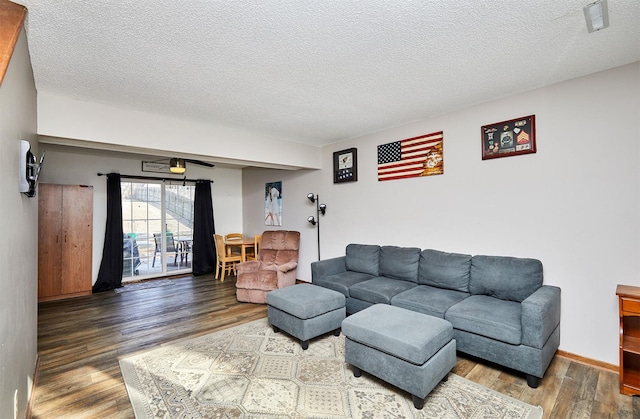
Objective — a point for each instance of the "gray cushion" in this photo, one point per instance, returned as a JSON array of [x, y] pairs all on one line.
[[379, 289], [408, 335], [400, 262], [444, 270], [504, 277], [488, 316], [363, 258], [305, 301], [343, 281], [428, 300]]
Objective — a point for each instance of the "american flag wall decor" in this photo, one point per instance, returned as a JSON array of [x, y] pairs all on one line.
[[413, 157]]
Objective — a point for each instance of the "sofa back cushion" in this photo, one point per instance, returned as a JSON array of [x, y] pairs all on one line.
[[364, 258], [444, 270], [400, 262], [504, 277]]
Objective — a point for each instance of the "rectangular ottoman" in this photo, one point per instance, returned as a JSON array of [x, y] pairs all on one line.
[[306, 311], [412, 351]]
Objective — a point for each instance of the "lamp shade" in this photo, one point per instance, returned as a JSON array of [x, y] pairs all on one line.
[[177, 166]]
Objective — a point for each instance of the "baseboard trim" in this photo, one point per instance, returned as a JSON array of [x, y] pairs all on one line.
[[588, 361], [32, 393]]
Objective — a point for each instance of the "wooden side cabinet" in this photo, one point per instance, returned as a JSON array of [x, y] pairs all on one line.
[[629, 306], [65, 245]]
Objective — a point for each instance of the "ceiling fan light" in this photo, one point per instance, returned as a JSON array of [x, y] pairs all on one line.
[[177, 166]]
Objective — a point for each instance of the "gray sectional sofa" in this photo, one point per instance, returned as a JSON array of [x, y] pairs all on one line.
[[498, 306]]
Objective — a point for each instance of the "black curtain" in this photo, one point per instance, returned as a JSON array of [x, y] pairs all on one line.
[[110, 274], [204, 252]]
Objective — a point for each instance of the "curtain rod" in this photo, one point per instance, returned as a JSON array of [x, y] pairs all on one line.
[[154, 178]]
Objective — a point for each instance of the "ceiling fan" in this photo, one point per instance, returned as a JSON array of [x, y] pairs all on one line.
[[179, 166]]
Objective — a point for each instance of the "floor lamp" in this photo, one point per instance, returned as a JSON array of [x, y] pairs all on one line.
[[320, 209]]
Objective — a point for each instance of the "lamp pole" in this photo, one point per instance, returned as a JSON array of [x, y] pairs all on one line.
[[318, 215], [320, 209]]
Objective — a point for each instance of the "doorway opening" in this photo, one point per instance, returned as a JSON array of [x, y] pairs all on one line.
[[157, 222]]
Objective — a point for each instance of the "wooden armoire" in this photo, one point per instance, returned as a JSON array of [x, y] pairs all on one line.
[[65, 240]]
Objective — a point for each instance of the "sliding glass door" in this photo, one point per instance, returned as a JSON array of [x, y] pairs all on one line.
[[157, 221]]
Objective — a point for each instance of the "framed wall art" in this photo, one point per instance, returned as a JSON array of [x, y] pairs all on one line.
[[273, 203], [509, 138], [345, 165], [411, 157]]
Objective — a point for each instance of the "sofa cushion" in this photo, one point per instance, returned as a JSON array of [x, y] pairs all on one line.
[[400, 262], [343, 281], [379, 289], [506, 278], [265, 280], [488, 316], [363, 258], [428, 300], [444, 270]]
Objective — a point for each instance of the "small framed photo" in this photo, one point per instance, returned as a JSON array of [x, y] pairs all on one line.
[[509, 138], [345, 165]]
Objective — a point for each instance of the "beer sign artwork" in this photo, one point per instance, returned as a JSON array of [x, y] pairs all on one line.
[[509, 138]]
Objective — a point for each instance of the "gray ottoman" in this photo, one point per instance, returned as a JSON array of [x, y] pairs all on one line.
[[412, 351], [306, 311]]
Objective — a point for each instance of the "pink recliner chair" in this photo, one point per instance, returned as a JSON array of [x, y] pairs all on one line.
[[275, 267]]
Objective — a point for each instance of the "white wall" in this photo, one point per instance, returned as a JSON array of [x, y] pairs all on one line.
[[575, 204], [19, 226], [295, 209], [59, 116], [71, 166]]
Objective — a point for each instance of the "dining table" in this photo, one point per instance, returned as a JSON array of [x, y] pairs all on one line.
[[243, 243]]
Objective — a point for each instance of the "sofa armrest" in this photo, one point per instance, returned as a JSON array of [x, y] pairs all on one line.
[[540, 316], [326, 267], [286, 267], [286, 278]]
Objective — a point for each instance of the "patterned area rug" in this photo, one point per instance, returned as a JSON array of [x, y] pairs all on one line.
[[251, 372]]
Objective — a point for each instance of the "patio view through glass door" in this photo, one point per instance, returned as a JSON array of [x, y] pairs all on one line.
[[157, 222]]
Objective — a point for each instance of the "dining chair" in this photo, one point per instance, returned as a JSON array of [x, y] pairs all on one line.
[[223, 258], [233, 249], [171, 247], [252, 253]]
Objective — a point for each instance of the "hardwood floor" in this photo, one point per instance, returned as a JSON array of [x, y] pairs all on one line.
[[80, 341]]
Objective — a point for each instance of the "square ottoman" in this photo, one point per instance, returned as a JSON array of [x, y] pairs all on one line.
[[411, 350], [306, 311]]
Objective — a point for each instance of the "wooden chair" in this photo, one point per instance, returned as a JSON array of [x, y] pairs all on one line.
[[233, 249], [252, 254], [224, 258]]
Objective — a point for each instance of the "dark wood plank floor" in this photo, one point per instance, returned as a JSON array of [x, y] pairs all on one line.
[[80, 341]]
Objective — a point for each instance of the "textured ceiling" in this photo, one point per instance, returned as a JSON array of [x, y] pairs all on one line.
[[315, 71]]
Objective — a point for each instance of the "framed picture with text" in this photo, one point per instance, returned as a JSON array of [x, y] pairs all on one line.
[[345, 165], [509, 138]]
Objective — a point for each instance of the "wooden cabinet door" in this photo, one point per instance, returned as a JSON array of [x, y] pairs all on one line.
[[49, 240], [77, 243], [65, 230]]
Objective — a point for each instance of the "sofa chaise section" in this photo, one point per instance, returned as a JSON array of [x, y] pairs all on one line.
[[510, 318]]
